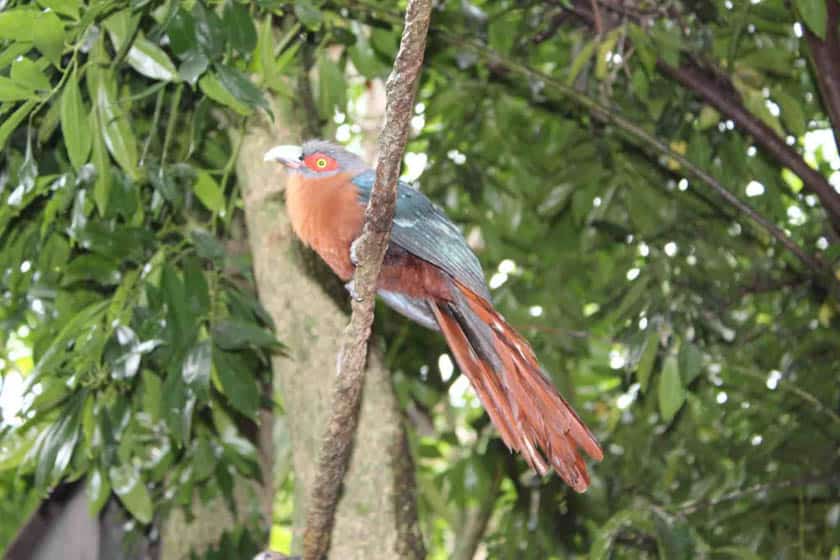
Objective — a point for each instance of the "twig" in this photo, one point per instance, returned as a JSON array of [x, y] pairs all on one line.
[[645, 139], [698, 505], [824, 55], [338, 440]]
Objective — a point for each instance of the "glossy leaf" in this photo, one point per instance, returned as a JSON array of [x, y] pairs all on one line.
[[75, 123], [116, 127], [129, 487], [240, 87], [196, 369], [98, 491], [241, 33], [814, 14]]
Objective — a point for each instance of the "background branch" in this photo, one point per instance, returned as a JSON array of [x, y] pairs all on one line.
[[725, 100], [338, 440], [825, 55]]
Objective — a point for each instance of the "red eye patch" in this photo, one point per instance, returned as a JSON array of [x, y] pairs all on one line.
[[320, 162]]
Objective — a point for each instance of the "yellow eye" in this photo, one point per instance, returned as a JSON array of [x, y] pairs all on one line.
[[321, 163]]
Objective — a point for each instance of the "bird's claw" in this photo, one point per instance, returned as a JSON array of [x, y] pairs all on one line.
[[351, 288], [354, 251]]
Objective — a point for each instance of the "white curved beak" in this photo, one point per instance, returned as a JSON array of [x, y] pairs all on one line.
[[287, 154]]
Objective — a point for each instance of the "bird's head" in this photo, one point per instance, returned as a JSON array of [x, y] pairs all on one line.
[[316, 159]]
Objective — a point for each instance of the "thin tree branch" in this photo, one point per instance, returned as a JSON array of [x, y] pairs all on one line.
[[338, 440], [638, 135], [825, 55], [698, 505], [643, 138], [725, 100]]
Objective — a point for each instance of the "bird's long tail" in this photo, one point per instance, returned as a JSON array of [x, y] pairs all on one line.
[[530, 415]]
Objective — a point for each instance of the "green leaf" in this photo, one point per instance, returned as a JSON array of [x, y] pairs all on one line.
[[690, 362], [212, 88], [152, 390], [308, 14], [193, 66], [814, 14], [98, 491], [11, 123], [116, 128], [69, 8], [647, 359], [242, 35], [144, 56], [196, 369], [177, 406], [10, 90], [29, 74], [208, 192], [234, 334], [92, 267], [129, 487], [671, 391], [604, 50], [48, 36], [209, 31], [236, 382], [332, 91], [181, 33], [580, 61], [792, 115], [241, 87], [102, 163], [17, 24], [75, 123]]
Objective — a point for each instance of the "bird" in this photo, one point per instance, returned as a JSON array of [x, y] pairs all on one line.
[[430, 275]]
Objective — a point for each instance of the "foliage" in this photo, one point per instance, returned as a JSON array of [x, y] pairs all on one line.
[[701, 353], [148, 347]]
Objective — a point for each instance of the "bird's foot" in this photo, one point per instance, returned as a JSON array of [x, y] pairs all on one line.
[[354, 251], [351, 288]]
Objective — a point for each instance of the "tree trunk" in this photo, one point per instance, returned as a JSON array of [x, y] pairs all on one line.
[[377, 514]]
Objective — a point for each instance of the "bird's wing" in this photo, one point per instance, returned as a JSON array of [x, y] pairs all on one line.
[[422, 229]]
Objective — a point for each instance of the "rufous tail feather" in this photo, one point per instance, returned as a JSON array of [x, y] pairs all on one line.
[[529, 413]]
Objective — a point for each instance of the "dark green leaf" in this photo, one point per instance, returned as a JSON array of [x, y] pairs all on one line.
[[232, 334], [236, 382], [242, 35], [213, 88], [241, 87], [209, 31], [671, 392], [181, 33], [646, 361], [814, 14], [690, 362], [75, 124], [196, 369]]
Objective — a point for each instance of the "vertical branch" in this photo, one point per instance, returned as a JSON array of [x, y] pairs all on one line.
[[825, 55], [338, 440]]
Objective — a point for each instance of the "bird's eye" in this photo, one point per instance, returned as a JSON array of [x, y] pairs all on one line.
[[320, 162]]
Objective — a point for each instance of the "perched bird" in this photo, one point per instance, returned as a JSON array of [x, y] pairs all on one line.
[[431, 276]]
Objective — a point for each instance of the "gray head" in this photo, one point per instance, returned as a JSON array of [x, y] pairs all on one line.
[[317, 159]]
